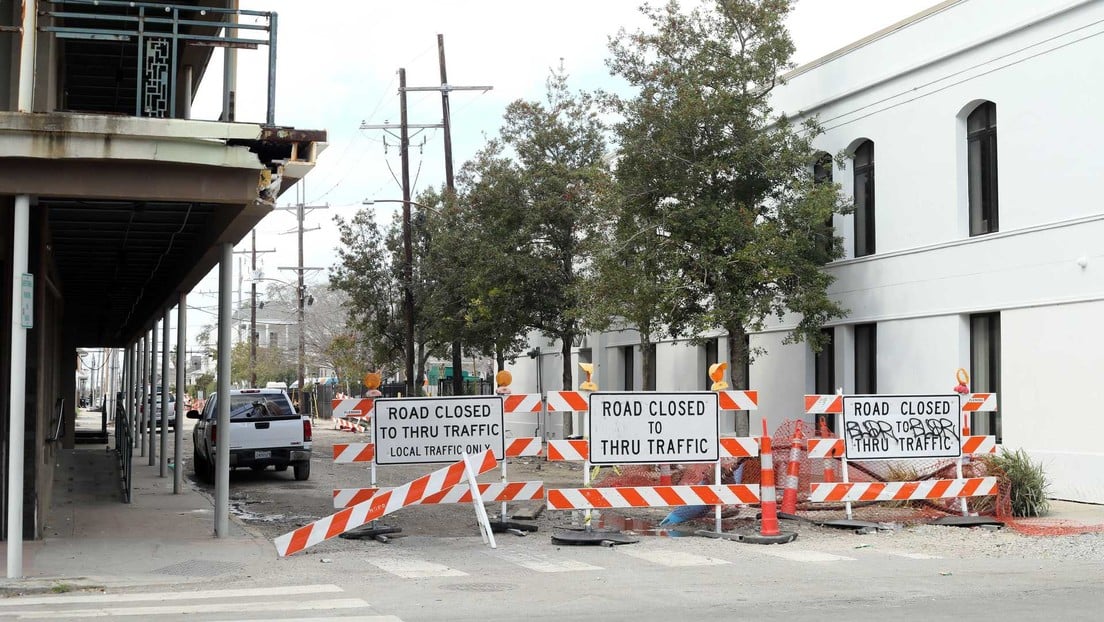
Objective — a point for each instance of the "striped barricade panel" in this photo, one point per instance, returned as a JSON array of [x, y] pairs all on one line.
[[980, 402], [346, 497], [979, 445], [523, 446], [651, 496], [380, 505], [567, 450], [345, 453], [567, 401], [522, 403], [461, 493], [825, 447], [817, 404], [903, 491], [351, 424], [738, 400], [739, 447], [352, 407]]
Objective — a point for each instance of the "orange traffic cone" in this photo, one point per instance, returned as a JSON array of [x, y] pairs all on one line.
[[769, 524], [664, 475], [793, 473], [769, 531]]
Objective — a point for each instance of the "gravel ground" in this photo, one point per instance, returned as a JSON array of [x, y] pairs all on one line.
[[273, 504]]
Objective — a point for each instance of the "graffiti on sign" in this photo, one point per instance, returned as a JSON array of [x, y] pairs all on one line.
[[882, 427]]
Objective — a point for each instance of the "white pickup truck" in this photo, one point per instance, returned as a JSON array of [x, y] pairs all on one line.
[[264, 430]]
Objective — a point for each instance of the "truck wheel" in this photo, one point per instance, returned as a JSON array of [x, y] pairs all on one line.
[[302, 470], [203, 469]]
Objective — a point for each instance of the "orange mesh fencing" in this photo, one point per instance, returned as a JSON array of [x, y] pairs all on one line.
[[812, 470]]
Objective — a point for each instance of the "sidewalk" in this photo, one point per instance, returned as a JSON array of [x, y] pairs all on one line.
[[93, 539]]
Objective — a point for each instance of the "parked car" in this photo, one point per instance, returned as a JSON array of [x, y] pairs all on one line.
[[157, 409], [265, 430]]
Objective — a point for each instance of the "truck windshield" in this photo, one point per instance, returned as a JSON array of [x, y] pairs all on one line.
[[259, 406]]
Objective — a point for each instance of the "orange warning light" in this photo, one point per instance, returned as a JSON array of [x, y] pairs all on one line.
[[716, 374], [588, 384], [373, 379]]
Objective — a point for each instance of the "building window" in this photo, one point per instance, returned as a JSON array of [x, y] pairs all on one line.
[[825, 372], [273, 339], [629, 364], [981, 150], [822, 174], [866, 359], [712, 357], [985, 369], [864, 199]]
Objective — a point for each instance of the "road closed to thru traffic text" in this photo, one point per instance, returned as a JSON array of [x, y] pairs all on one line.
[[647, 427], [880, 427], [428, 430]]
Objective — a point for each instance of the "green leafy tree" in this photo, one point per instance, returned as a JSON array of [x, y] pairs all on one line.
[[371, 280], [726, 181], [552, 162]]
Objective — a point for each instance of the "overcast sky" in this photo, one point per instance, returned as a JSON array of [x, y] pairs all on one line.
[[338, 67]]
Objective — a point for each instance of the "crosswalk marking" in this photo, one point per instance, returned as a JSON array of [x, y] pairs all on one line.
[[71, 599], [910, 555], [409, 568], [798, 555], [341, 619], [251, 607], [672, 558], [543, 563]]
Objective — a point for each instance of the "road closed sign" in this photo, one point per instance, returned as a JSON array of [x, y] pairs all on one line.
[[882, 427], [441, 429], [649, 428]]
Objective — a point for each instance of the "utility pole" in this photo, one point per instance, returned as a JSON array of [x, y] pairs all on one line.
[[301, 290], [253, 306], [408, 258]]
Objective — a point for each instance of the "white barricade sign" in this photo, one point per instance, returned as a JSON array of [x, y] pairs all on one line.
[[437, 429], [649, 427], [885, 427]]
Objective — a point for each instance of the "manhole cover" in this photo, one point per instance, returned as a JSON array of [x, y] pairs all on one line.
[[199, 568], [480, 587]]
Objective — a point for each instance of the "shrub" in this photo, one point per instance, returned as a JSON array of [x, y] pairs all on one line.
[[1026, 480]]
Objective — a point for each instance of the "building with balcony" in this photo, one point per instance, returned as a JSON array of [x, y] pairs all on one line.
[[114, 201]]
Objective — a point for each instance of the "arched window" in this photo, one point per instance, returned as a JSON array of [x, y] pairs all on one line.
[[981, 150], [864, 199], [822, 174]]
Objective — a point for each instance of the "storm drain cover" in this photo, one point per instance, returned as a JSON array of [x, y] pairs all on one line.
[[199, 568]]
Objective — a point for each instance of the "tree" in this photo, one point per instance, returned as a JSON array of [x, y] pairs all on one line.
[[724, 180], [368, 276], [556, 177]]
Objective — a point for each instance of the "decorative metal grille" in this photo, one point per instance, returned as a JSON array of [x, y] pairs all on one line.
[[155, 88]]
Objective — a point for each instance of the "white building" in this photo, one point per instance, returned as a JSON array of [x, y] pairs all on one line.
[[979, 243]]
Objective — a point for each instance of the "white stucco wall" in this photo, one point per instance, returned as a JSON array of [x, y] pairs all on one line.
[[909, 92]]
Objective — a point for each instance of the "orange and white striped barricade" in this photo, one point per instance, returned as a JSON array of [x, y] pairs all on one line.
[[570, 402], [352, 414], [972, 403], [346, 453], [904, 491], [385, 503], [734, 400], [514, 403], [829, 405], [586, 498], [891, 427]]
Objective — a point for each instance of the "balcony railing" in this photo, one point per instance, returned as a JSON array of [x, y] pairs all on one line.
[[160, 32]]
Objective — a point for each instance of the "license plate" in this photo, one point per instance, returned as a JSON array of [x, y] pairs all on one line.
[[257, 455]]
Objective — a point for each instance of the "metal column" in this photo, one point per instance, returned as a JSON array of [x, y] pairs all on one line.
[[18, 391], [222, 445], [142, 397], [164, 420], [151, 418], [178, 436]]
